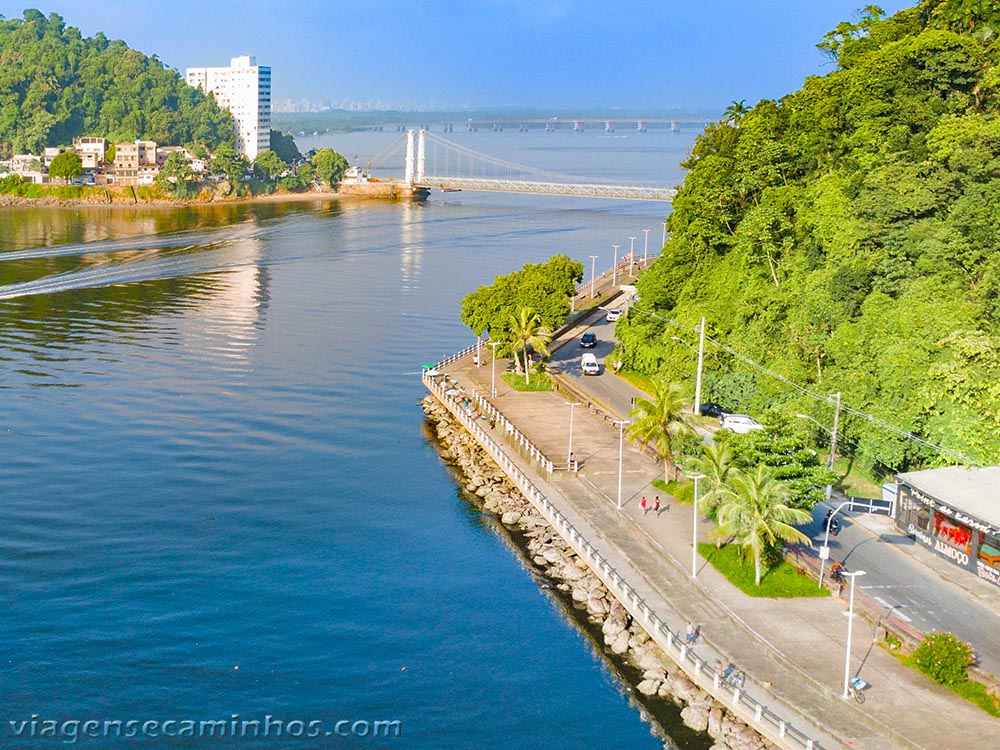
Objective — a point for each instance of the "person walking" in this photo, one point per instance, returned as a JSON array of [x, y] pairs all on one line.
[[656, 506], [690, 634], [642, 504]]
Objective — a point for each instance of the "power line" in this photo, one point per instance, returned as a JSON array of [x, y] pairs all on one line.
[[961, 457]]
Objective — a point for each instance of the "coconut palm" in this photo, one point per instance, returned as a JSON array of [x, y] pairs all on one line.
[[527, 332], [659, 420], [716, 462], [753, 510], [736, 111]]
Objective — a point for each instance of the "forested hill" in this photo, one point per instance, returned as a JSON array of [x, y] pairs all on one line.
[[846, 237], [55, 84]]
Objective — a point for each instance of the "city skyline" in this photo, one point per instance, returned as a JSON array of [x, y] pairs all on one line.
[[487, 53]]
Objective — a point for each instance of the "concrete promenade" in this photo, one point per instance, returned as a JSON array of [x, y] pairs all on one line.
[[793, 651]]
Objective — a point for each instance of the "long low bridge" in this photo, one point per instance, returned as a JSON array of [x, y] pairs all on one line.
[[433, 162]]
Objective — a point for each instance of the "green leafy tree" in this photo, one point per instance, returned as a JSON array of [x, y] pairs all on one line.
[[753, 511], [528, 334], [544, 287], [659, 421], [284, 146], [735, 112], [330, 166], [176, 176], [66, 166], [269, 165], [227, 164]]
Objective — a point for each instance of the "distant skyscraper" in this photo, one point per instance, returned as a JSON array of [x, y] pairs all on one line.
[[244, 89]]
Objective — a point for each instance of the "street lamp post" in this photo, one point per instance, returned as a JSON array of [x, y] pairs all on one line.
[[850, 622], [493, 368], [569, 451], [825, 549], [664, 234], [631, 255], [614, 272], [645, 248], [621, 442], [694, 527], [593, 260]]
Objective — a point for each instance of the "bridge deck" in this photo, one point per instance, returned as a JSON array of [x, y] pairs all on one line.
[[625, 192]]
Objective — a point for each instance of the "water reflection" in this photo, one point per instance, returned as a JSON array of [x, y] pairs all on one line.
[[411, 235]]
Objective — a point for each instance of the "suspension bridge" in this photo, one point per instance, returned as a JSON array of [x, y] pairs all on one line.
[[433, 162]]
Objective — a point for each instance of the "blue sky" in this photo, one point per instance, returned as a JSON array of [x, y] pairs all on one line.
[[689, 54]]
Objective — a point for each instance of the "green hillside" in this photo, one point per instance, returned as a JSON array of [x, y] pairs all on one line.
[[56, 84], [846, 238]]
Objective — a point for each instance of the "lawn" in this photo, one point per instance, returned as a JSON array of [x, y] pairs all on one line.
[[537, 382], [783, 581]]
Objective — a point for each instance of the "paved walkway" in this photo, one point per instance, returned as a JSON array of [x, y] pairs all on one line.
[[792, 650]]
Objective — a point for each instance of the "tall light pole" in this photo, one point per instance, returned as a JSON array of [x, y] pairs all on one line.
[[701, 360], [694, 527], [631, 255], [645, 248], [850, 622], [614, 265], [621, 442], [664, 234], [825, 549], [569, 451], [493, 367], [593, 260]]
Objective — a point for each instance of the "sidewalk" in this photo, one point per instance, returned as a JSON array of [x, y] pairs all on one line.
[[795, 648]]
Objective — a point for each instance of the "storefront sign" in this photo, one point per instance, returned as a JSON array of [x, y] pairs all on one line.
[[958, 515], [988, 573], [942, 548]]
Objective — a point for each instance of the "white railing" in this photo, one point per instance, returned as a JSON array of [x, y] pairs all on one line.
[[753, 712], [492, 415]]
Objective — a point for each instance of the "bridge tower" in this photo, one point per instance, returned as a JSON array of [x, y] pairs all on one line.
[[415, 156]]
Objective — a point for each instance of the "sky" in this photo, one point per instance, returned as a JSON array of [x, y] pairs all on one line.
[[561, 54]]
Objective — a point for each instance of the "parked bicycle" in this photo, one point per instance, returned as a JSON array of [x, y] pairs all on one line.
[[855, 686]]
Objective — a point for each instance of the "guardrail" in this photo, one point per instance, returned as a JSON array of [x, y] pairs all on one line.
[[739, 701], [493, 415], [870, 505]]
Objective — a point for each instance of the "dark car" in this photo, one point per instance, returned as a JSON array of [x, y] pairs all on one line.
[[713, 410], [588, 340]]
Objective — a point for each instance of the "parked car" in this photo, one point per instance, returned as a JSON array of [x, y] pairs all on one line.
[[614, 314], [713, 410], [589, 365], [588, 340], [739, 423]]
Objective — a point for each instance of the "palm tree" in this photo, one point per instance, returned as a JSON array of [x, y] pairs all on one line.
[[659, 420], [716, 462], [754, 512], [527, 332], [736, 111]]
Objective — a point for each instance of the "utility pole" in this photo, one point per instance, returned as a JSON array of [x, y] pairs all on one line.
[[593, 260], [833, 432], [701, 360], [631, 256], [645, 248], [614, 266]]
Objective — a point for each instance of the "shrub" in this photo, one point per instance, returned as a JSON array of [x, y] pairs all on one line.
[[944, 658]]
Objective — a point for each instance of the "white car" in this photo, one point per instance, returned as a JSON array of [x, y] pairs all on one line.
[[589, 365], [614, 314], [741, 424]]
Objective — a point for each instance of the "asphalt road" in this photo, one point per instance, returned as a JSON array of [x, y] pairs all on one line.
[[894, 579]]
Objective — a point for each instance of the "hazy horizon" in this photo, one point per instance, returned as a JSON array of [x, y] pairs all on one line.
[[549, 54]]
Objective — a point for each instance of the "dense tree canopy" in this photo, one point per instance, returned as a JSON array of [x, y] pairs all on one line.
[[56, 84], [546, 288], [846, 237]]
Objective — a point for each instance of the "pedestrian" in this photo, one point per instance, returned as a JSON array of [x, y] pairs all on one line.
[[572, 461], [642, 504], [690, 634], [493, 422], [656, 506]]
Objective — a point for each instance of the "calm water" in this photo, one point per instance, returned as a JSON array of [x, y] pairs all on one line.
[[217, 495]]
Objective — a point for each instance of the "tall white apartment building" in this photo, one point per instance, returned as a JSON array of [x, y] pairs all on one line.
[[244, 89]]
